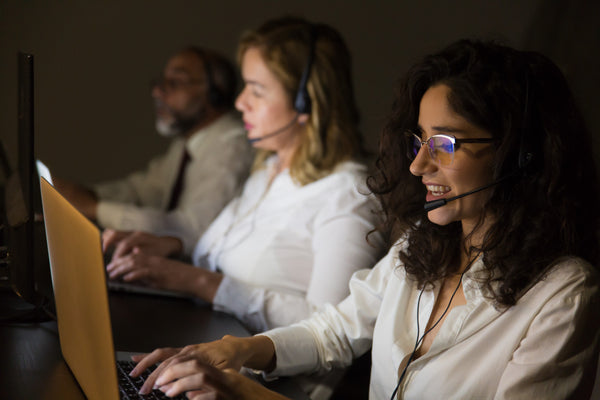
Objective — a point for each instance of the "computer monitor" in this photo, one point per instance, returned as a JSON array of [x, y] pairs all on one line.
[[27, 253]]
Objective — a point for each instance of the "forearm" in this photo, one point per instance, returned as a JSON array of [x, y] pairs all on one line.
[[256, 352], [205, 284], [173, 246]]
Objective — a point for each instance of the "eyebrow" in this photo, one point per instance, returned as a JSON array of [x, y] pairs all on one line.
[[442, 129], [181, 71], [254, 83]]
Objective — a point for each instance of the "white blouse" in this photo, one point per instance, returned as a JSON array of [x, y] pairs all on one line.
[[544, 347], [285, 249]]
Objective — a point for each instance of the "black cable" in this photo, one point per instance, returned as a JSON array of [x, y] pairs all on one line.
[[418, 342]]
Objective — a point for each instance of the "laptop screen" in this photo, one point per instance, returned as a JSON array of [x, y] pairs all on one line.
[[78, 277]]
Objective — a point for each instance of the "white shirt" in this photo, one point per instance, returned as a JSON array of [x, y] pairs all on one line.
[[541, 348], [285, 249], [220, 163]]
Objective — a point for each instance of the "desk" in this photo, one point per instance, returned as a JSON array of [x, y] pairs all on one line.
[[32, 367]]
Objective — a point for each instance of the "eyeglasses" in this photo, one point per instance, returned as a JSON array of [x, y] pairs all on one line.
[[171, 84], [441, 147]]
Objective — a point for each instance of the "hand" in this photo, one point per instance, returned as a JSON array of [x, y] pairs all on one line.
[[162, 273], [202, 381], [228, 353], [126, 241], [112, 237]]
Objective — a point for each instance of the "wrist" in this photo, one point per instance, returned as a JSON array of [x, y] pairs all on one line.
[[175, 246], [257, 352], [206, 284]]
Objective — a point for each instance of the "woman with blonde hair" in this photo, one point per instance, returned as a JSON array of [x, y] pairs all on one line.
[[290, 242]]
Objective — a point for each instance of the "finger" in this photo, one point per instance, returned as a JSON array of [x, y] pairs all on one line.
[[203, 395], [203, 381], [200, 395], [138, 357], [182, 367], [111, 237], [125, 246], [146, 361], [138, 274], [121, 267], [196, 383], [108, 239], [150, 382], [159, 355]]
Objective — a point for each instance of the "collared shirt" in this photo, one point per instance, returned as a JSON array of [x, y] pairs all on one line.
[[285, 248], [544, 347], [220, 162]]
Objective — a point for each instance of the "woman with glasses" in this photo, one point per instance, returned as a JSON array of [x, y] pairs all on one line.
[[491, 291]]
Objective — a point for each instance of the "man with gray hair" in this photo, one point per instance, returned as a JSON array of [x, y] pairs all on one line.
[[208, 160]]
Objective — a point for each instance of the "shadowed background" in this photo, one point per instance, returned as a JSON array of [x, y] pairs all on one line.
[[94, 60]]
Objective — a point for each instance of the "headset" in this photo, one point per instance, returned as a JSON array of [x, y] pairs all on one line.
[[302, 101], [525, 155]]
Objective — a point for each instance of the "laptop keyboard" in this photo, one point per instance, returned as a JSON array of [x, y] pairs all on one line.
[[129, 386]]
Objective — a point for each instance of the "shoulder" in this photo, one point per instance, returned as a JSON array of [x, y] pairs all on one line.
[[229, 126], [344, 187], [573, 270], [348, 176], [568, 278]]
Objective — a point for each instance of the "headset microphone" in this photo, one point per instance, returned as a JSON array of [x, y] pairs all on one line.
[[277, 132], [432, 205]]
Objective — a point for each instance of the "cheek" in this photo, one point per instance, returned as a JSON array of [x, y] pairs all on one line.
[[272, 115]]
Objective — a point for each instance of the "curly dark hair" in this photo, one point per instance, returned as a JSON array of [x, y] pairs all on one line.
[[546, 204]]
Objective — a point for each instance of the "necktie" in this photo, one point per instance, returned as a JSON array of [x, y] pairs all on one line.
[[178, 186]]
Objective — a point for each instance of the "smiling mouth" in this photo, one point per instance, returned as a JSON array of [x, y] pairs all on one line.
[[438, 190]]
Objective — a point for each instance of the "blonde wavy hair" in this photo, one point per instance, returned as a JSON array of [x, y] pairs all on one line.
[[331, 135]]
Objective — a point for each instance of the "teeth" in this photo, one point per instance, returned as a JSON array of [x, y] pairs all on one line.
[[438, 190]]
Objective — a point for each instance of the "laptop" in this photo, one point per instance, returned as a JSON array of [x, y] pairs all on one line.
[[81, 297], [44, 172]]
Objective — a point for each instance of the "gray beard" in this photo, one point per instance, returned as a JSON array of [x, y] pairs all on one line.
[[178, 125], [165, 128]]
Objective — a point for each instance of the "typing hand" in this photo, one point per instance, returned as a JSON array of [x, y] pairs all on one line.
[[201, 381], [193, 367], [125, 242], [111, 238]]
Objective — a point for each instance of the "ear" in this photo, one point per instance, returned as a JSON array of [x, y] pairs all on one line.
[[303, 119]]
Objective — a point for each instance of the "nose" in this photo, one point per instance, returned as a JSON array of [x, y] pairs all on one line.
[[422, 164], [240, 102], [157, 91]]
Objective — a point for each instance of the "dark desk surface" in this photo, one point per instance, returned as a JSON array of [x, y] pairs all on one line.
[[32, 367]]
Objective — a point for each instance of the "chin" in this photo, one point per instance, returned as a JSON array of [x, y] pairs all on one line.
[[165, 128], [440, 216]]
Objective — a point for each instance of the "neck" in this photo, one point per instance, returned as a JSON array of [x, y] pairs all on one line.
[[286, 153], [211, 116]]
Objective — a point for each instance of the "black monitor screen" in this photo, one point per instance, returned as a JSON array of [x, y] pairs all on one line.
[[27, 252]]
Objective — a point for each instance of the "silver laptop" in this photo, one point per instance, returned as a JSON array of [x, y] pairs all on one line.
[[81, 297]]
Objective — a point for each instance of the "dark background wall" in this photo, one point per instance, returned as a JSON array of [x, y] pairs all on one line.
[[94, 60]]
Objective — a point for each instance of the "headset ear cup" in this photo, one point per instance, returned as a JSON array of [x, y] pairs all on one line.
[[525, 158], [302, 101]]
